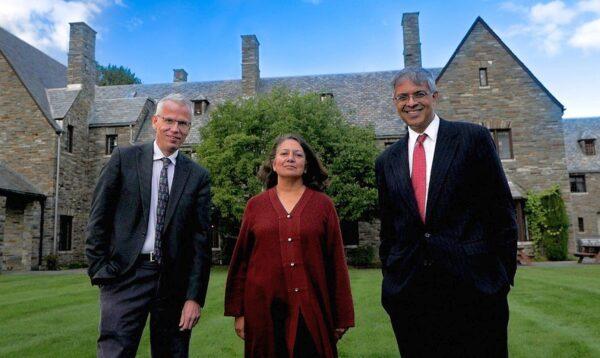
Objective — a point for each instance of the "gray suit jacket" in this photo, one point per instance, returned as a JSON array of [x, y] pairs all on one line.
[[119, 220]]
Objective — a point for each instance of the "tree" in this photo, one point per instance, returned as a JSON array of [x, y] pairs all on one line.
[[239, 136], [115, 75]]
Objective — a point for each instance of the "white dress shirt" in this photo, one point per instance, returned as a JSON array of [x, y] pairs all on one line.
[[157, 165], [428, 145]]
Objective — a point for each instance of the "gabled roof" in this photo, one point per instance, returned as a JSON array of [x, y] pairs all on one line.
[[14, 183], [117, 111], [36, 70], [61, 100], [364, 98], [479, 20], [576, 129]]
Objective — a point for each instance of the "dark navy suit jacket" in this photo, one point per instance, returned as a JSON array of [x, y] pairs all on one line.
[[119, 220], [470, 227]]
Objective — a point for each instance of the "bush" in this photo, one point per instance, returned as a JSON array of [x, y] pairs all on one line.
[[548, 223], [51, 262], [361, 256]]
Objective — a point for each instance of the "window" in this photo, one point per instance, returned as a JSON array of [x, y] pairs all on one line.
[[349, 232], [580, 223], [588, 146], [69, 138], [200, 107], [66, 228], [483, 77], [111, 143], [503, 141], [577, 183], [326, 96]]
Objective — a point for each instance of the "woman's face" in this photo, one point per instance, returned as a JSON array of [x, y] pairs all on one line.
[[290, 160]]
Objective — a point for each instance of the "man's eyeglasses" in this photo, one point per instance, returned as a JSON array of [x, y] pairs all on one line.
[[403, 97], [183, 125]]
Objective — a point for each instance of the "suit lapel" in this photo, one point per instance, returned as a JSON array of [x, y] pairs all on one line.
[[398, 166], [144, 167], [445, 149], [182, 171]]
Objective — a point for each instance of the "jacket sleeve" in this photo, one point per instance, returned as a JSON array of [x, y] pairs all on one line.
[[386, 232], [100, 223], [201, 257], [238, 267], [499, 211], [338, 278]]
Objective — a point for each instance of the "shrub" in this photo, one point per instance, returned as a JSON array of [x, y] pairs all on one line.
[[361, 256]]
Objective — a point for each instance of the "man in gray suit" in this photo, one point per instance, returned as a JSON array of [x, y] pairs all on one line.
[[146, 245]]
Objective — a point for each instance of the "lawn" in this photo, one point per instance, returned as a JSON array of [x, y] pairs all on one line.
[[555, 312]]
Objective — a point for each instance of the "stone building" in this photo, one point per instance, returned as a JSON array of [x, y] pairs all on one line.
[[583, 164], [58, 129]]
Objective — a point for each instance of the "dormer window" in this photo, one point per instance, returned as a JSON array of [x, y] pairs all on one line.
[[326, 96], [588, 146], [200, 107]]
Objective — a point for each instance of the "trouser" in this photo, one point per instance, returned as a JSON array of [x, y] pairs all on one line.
[[437, 315], [124, 309]]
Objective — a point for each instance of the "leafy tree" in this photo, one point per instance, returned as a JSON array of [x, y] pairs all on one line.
[[239, 136], [115, 75]]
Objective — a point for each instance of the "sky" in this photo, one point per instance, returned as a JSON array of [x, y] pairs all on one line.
[[559, 40]]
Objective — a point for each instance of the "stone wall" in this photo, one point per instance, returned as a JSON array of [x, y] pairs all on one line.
[[512, 99], [587, 206]]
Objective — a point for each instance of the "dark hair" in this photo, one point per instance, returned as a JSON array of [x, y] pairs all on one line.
[[315, 175]]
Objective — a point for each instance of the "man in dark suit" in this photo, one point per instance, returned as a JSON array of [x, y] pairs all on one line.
[[147, 246], [448, 231]]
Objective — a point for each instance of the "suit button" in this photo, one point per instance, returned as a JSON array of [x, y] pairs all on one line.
[[289, 216], [292, 264], [427, 235], [296, 289], [289, 239]]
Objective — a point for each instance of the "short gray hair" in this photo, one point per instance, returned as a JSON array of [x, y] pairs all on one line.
[[173, 97], [416, 75]]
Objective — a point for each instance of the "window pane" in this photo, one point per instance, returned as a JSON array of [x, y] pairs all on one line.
[[503, 144], [580, 224], [483, 79]]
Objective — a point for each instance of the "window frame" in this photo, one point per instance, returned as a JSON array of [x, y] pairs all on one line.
[[580, 224], [69, 144], [484, 71], [107, 149], [494, 132], [65, 239], [573, 182]]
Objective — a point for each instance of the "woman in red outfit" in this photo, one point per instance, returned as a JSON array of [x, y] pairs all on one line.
[[288, 286]]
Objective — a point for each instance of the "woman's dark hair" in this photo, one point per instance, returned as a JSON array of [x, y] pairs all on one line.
[[315, 175]]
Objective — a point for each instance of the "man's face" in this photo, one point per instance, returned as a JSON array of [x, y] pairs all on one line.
[[415, 104], [172, 126]]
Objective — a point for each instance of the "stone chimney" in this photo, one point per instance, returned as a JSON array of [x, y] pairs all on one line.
[[82, 54], [412, 41], [250, 65], [179, 75]]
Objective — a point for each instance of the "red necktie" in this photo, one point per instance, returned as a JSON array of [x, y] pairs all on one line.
[[419, 173]]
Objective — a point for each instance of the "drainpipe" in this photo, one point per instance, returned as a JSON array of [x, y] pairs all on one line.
[[41, 246], [58, 137]]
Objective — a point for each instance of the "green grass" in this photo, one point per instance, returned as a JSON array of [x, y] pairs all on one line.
[[555, 312]]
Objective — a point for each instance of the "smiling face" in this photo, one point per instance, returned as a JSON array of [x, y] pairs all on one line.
[[290, 160], [170, 135], [415, 104]]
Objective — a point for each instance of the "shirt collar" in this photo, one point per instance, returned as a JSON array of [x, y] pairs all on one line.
[[431, 131], [158, 154]]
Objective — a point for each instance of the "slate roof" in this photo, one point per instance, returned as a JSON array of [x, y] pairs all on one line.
[[117, 111], [61, 100], [364, 98], [576, 129], [35, 69], [11, 182]]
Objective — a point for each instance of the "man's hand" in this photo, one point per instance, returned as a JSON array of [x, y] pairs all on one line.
[[239, 326], [190, 315]]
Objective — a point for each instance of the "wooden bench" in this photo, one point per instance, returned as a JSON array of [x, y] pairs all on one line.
[[588, 247]]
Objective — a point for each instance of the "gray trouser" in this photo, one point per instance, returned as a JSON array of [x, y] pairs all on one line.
[[124, 309]]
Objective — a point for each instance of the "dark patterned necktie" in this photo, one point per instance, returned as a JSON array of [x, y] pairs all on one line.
[[161, 208]]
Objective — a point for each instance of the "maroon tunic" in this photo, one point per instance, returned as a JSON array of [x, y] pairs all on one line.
[[285, 265]]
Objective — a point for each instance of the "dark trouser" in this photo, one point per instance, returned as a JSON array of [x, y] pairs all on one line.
[[124, 309], [439, 316]]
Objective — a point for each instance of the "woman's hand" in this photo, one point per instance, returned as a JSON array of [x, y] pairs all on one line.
[[239, 326], [339, 332]]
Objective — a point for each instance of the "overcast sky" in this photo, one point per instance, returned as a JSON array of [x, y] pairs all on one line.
[[558, 40]]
